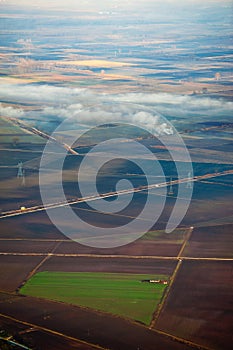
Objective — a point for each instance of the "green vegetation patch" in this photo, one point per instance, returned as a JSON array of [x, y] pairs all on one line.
[[117, 293], [14, 134], [175, 237]]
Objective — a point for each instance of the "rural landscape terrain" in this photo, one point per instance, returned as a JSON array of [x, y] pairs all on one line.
[[74, 76]]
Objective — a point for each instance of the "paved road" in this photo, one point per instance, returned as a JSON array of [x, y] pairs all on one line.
[[42, 134], [111, 194]]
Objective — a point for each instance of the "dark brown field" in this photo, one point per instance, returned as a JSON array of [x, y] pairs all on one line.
[[38, 339], [97, 328], [101, 264], [35, 225], [15, 269], [26, 246], [199, 304], [199, 307], [211, 241], [210, 202], [152, 244], [41, 340]]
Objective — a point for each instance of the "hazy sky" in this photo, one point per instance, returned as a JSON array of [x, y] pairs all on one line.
[[105, 3]]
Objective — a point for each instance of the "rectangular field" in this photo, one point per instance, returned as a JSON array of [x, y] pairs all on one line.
[[26, 246], [116, 293], [108, 331], [155, 243], [38, 339], [14, 270], [199, 306], [106, 264], [34, 225], [212, 241], [14, 135]]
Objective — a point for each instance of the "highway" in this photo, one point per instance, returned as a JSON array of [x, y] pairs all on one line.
[[38, 208], [42, 134]]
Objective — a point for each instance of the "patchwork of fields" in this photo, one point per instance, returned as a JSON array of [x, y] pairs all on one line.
[[116, 88], [45, 278]]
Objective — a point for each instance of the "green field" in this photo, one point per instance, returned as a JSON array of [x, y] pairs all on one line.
[[117, 293], [14, 134]]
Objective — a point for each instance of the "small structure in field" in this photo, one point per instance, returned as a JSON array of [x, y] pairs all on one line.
[[155, 281]]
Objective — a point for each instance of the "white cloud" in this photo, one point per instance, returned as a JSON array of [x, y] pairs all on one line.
[[65, 111], [7, 111], [43, 94], [177, 105], [59, 103]]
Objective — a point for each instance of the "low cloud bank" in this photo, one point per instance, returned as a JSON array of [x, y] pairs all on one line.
[[84, 106]]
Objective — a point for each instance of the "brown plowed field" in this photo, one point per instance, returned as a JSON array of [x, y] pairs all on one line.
[[30, 246], [97, 328], [199, 307], [158, 244], [124, 265], [38, 339], [212, 241], [152, 244], [14, 269], [34, 225]]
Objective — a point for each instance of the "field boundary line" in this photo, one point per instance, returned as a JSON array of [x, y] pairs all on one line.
[[36, 268], [114, 256], [14, 343], [172, 279], [188, 235], [14, 297], [48, 255], [165, 296], [48, 330], [7, 292], [181, 340]]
